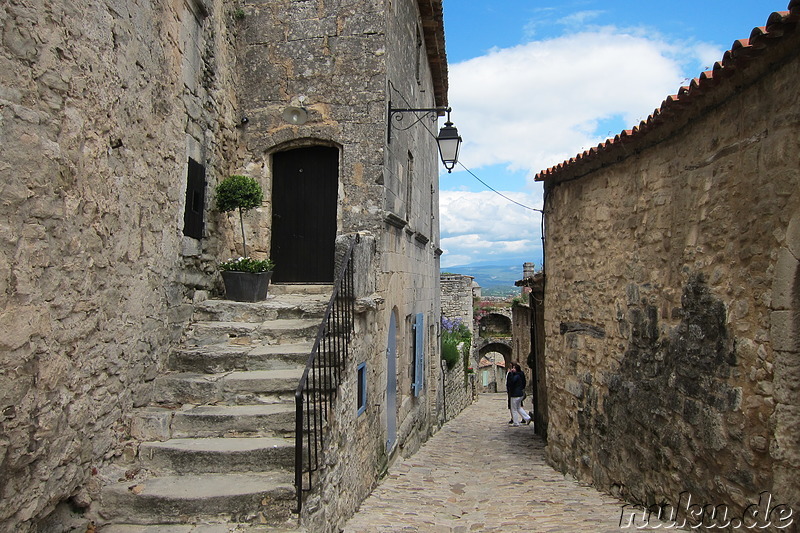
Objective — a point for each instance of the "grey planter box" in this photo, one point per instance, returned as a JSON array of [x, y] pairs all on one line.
[[246, 286]]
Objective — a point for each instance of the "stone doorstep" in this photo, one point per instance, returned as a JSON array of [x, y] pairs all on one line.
[[209, 455], [280, 289], [222, 497], [223, 357], [250, 386]]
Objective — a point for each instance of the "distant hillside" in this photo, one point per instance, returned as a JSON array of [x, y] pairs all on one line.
[[495, 280]]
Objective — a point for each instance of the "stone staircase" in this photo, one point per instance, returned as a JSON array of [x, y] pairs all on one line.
[[216, 451]]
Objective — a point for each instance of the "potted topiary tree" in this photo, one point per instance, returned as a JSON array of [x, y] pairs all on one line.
[[246, 279]]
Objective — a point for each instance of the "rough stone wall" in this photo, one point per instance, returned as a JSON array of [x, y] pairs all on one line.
[[671, 290], [457, 298], [459, 392], [409, 262], [521, 339], [96, 280], [330, 59], [457, 303]]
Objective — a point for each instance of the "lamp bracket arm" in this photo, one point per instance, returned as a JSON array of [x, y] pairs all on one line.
[[396, 114]]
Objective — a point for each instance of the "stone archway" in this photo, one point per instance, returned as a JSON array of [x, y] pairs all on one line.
[[494, 325], [493, 356], [785, 337]]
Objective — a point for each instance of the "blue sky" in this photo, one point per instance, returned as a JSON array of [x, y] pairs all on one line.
[[534, 82]]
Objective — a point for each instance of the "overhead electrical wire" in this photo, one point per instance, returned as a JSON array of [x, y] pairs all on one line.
[[498, 192], [419, 120]]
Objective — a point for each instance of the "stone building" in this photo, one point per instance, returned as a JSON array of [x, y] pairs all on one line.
[[459, 389], [457, 298], [117, 119], [528, 342], [672, 296]]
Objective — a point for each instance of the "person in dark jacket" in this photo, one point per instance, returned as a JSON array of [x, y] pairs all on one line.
[[516, 390], [509, 370]]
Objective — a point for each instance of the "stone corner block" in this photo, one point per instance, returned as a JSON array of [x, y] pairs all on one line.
[[781, 332], [191, 247], [786, 269], [793, 236]]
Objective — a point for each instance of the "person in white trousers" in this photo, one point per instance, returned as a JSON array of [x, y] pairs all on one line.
[[516, 390]]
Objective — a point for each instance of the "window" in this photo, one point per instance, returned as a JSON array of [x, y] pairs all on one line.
[[195, 200], [362, 387], [420, 51], [418, 340], [409, 186]]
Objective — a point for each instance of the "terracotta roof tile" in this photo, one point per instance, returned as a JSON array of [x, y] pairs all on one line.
[[741, 53]]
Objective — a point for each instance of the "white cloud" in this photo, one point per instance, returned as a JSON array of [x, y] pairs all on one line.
[[579, 18], [535, 105], [482, 226]]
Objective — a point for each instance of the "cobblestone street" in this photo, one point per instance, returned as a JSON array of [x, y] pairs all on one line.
[[480, 474]]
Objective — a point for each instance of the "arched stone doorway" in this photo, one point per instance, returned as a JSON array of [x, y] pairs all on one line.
[[492, 359]]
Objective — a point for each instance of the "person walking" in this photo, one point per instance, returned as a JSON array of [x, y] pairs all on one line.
[[516, 390], [509, 370]]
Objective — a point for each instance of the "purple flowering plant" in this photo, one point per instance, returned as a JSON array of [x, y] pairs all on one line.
[[456, 341]]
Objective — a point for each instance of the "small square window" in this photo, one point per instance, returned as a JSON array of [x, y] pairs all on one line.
[[362, 387]]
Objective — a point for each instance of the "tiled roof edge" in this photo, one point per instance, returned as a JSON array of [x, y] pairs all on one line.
[[742, 52], [433, 32]]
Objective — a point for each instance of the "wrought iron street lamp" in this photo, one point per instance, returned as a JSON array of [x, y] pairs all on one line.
[[449, 140]]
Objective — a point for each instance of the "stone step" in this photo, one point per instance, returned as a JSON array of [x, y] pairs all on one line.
[[279, 331], [235, 497], [271, 420], [199, 528], [209, 455], [224, 358], [273, 308], [162, 423], [240, 387]]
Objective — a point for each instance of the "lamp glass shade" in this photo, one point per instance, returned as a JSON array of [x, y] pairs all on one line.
[[449, 142]]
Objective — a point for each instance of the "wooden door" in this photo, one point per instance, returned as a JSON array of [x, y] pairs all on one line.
[[305, 187]]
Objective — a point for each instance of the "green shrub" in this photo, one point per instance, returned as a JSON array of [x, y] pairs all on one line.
[[450, 353], [238, 192]]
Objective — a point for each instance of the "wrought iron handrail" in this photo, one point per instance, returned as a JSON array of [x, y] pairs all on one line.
[[317, 388]]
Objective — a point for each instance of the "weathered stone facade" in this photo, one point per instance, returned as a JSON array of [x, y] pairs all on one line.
[[459, 391], [102, 106], [457, 297], [528, 333], [673, 292]]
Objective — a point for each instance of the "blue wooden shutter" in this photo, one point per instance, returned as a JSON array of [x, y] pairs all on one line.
[[419, 354]]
